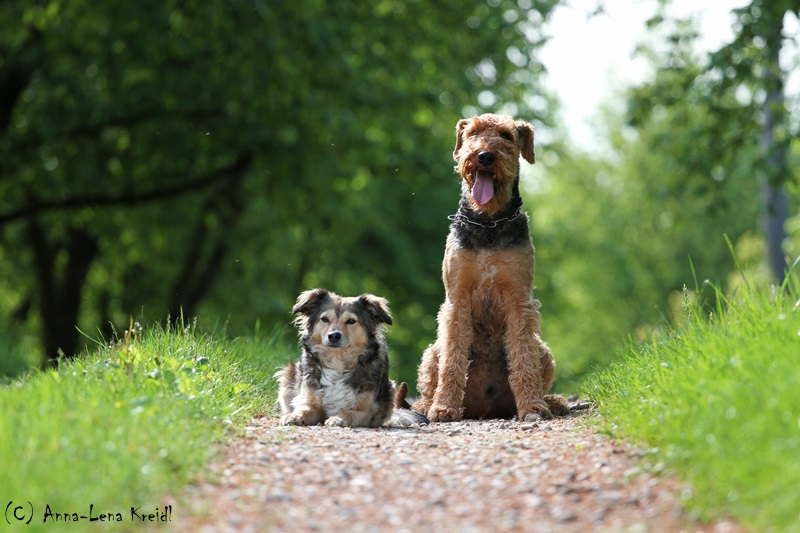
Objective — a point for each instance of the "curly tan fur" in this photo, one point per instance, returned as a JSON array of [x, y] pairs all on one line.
[[489, 360]]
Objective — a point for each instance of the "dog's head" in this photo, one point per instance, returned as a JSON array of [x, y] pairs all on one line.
[[487, 155], [333, 321]]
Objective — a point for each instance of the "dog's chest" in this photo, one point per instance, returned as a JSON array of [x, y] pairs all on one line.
[[336, 394], [488, 271]]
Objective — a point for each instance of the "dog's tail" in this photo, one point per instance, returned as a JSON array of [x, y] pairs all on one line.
[[400, 401], [402, 415]]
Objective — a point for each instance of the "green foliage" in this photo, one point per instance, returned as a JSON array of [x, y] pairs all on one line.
[[619, 234], [717, 401], [130, 423], [743, 86], [215, 159], [13, 360], [220, 157], [616, 240], [592, 278]]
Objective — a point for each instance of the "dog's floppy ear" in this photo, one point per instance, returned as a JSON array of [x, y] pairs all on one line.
[[310, 300], [525, 132], [459, 137], [377, 307]]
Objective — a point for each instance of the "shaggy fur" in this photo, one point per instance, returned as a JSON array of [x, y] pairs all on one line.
[[489, 360], [342, 377]]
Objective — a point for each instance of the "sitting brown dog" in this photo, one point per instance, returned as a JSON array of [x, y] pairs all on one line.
[[489, 360]]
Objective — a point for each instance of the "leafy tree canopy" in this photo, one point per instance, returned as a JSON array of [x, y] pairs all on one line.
[[215, 158]]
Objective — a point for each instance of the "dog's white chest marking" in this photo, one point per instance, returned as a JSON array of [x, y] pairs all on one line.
[[336, 395], [488, 274]]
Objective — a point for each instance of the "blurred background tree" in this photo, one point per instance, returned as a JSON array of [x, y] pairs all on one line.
[[703, 150], [215, 158]]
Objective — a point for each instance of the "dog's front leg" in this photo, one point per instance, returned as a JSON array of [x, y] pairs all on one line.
[[525, 350], [306, 410], [455, 336]]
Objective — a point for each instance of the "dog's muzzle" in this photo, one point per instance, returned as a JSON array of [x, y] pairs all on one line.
[[334, 338]]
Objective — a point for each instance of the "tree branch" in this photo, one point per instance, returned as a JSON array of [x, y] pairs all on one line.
[[127, 199], [200, 268]]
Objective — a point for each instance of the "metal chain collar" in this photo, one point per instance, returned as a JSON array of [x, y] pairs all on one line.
[[464, 218]]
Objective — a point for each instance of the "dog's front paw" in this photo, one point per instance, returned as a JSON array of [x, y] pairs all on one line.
[[534, 412], [299, 418], [338, 421], [532, 417], [292, 419], [443, 413]]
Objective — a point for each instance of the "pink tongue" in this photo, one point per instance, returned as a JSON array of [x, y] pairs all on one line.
[[483, 190]]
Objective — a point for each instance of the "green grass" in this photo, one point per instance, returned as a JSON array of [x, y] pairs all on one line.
[[128, 425], [718, 401]]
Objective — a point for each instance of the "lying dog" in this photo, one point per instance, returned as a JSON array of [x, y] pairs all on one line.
[[342, 377]]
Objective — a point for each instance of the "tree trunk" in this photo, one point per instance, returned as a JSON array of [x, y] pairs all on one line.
[[774, 143], [60, 296], [209, 245]]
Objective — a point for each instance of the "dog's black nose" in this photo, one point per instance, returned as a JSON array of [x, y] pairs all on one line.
[[486, 158], [334, 336]]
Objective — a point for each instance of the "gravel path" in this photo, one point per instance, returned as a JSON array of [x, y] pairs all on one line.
[[495, 475]]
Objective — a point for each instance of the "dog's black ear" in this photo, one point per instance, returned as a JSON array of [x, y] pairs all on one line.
[[377, 307], [459, 137], [310, 300], [525, 132]]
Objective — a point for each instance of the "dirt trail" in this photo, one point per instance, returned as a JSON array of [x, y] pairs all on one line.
[[495, 475]]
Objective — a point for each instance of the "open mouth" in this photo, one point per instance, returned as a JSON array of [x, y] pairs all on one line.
[[483, 188]]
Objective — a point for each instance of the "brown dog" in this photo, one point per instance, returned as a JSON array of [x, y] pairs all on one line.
[[489, 360]]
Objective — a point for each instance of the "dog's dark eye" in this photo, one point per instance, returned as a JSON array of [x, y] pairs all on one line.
[[324, 320], [507, 136], [473, 133], [350, 321]]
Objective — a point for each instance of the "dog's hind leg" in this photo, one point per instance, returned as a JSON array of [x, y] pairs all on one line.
[[558, 404], [299, 406], [427, 379], [402, 415], [400, 393]]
